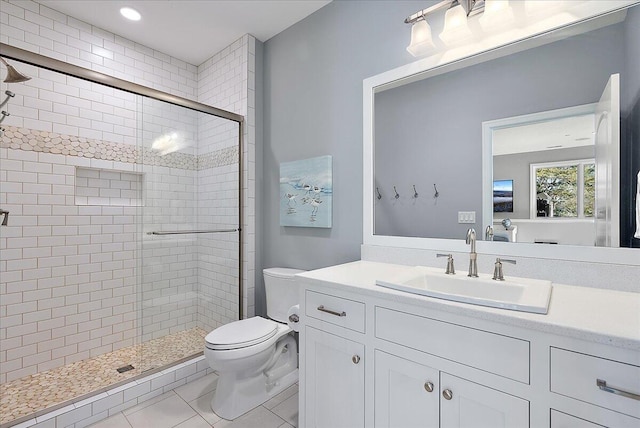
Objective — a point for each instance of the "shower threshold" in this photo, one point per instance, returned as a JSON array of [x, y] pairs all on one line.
[[37, 394]]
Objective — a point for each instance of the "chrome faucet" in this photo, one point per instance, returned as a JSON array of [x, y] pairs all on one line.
[[473, 256]]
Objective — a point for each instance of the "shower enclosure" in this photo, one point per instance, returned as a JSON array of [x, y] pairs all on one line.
[[122, 244]]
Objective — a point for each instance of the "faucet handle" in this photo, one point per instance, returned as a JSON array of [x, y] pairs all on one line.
[[498, 275], [450, 269]]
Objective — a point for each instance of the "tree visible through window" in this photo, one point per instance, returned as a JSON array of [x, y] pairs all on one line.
[[563, 189]]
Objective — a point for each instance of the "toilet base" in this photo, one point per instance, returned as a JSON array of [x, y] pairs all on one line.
[[245, 398], [237, 393]]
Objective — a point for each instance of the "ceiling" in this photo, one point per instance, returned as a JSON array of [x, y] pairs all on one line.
[[190, 30], [564, 133]]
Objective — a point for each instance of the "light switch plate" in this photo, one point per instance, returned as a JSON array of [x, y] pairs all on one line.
[[466, 216]]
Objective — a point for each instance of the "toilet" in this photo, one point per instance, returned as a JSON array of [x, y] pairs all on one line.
[[255, 358]]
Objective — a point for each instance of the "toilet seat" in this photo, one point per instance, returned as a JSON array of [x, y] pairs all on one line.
[[241, 334]]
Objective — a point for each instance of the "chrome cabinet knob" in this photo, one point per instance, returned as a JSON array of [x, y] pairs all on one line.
[[447, 394], [355, 359], [428, 386]]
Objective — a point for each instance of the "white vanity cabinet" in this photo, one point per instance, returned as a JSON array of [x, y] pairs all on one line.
[[466, 404], [332, 362], [411, 395], [334, 380], [406, 393], [374, 357], [346, 361]]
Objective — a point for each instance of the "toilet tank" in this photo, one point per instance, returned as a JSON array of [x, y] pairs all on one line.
[[282, 291]]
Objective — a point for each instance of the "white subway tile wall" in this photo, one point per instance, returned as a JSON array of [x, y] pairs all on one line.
[[72, 269], [108, 187], [227, 80]]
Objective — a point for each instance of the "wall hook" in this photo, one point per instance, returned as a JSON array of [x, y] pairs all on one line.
[[379, 195], [397, 195], [436, 194], [415, 193]]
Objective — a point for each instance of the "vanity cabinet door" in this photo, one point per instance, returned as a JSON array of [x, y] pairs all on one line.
[[334, 373], [406, 393], [464, 404]]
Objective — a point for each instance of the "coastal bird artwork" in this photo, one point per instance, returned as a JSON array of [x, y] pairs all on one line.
[[291, 198], [315, 203], [306, 191]]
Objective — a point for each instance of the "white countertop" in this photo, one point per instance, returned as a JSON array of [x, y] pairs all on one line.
[[603, 316]]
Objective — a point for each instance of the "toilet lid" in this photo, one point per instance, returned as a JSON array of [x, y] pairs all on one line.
[[240, 334]]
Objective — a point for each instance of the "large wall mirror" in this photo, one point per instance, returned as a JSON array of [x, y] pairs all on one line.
[[535, 144]]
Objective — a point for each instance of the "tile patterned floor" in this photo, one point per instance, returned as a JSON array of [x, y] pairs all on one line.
[[40, 391], [189, 406]]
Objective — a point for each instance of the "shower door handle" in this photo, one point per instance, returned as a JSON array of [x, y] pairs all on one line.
[[5, 220]]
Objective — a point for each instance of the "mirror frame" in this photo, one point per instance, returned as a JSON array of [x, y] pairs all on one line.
[[576, 19]]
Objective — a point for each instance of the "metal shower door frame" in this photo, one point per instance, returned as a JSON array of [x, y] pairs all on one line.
[[52, 64]]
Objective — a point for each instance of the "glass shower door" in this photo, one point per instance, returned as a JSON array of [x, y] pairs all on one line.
[[189, 275]]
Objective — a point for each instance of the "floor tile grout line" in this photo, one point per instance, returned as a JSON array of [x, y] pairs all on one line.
[[283, 421]]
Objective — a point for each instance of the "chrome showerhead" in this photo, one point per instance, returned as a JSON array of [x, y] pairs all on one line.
[[13, 75]]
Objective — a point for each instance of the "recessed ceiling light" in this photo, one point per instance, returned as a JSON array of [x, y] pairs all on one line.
[[130, 14]]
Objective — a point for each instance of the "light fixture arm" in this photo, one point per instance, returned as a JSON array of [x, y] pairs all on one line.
[[472, 7]]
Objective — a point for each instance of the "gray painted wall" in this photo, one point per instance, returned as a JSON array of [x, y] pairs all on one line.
[[313, 107], [430, 131]]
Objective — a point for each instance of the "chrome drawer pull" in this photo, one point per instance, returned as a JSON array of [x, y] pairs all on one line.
[[321, 308], [602, 384]]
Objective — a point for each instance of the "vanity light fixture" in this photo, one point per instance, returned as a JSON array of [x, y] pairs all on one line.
[[130, 13], [455, 26], [421, 39], [497, 13]]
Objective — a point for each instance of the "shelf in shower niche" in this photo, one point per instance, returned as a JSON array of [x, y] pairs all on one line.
[[95, 186]]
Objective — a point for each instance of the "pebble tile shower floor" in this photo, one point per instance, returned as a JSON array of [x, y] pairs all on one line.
[[37, 392]]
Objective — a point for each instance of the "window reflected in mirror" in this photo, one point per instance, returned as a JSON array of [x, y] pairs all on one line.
[[564, 189]]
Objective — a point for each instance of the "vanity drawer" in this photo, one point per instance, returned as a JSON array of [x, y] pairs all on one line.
[[562, 420], [502, 355], [575, 375], [335, 310]]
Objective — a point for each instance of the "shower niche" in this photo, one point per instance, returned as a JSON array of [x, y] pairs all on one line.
[[108, 187]]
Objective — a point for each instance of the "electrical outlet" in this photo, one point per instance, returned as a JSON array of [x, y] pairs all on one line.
[[466, 216]]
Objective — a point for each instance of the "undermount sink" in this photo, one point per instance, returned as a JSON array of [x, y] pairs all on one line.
[[517, 294]]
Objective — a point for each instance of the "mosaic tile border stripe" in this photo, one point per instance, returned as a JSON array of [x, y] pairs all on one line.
[[69, 145]]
